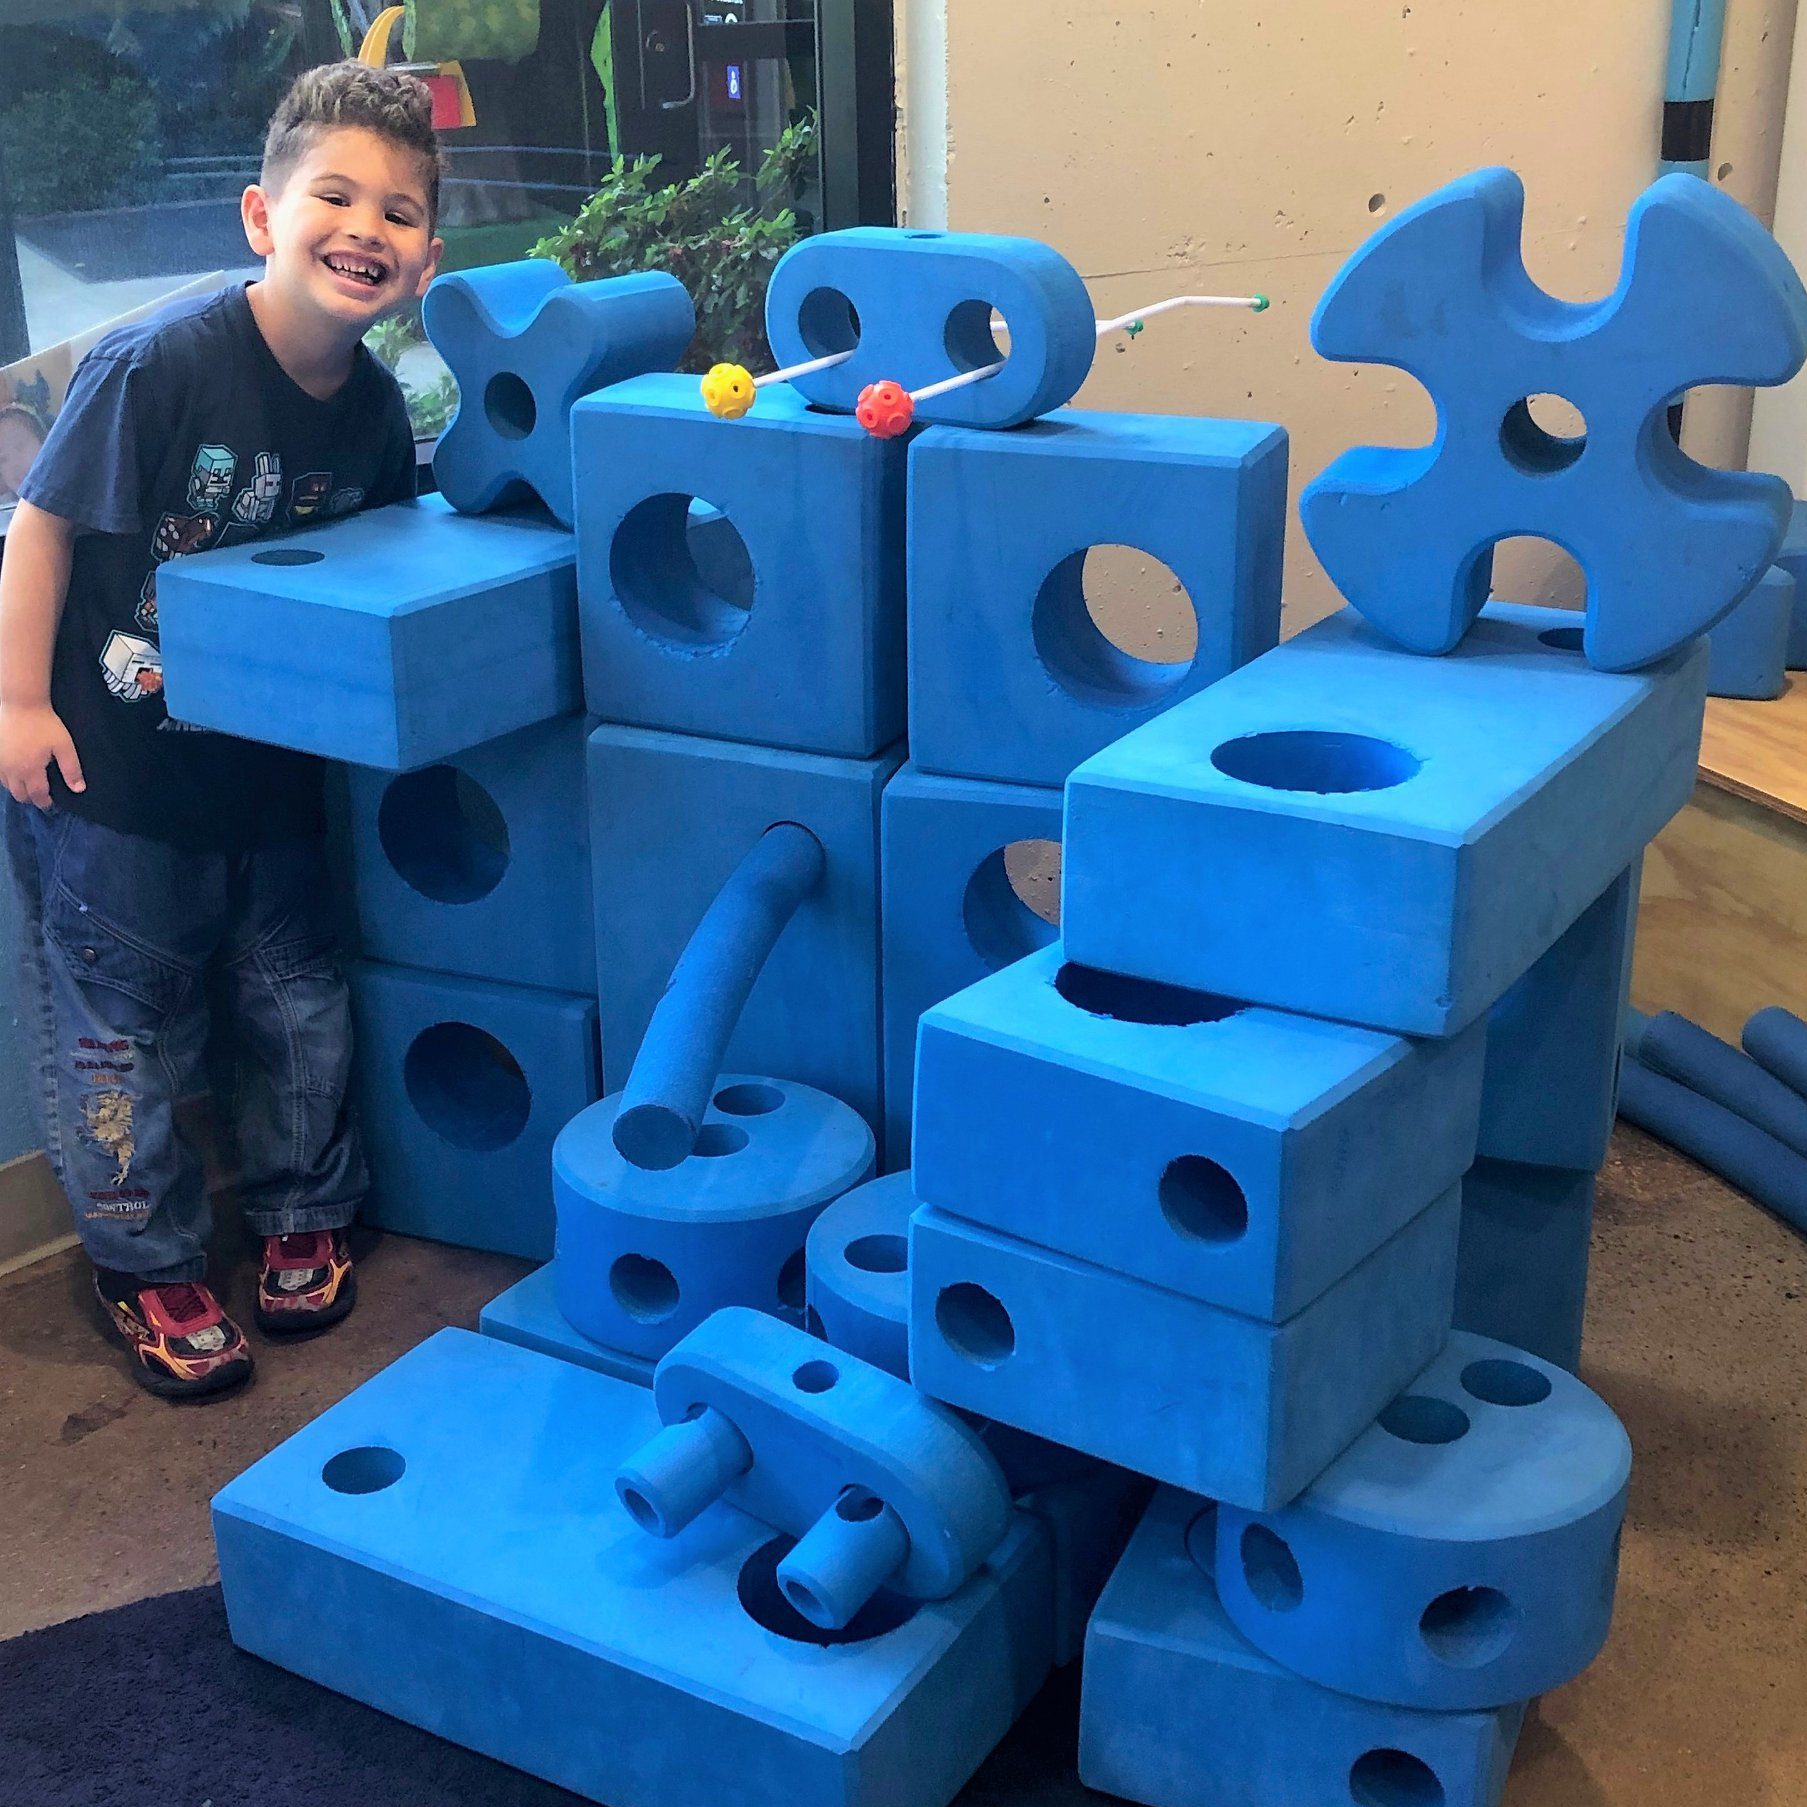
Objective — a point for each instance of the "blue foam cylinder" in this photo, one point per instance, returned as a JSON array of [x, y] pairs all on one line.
[[1749, 647], [527, 1314], [1670, 1044], [1776, 1039], [857, 1261], [843, 1559], [675, 1474]]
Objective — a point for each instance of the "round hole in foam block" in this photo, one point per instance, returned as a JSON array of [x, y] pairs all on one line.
[[466, 1086], [442, 832], [682, 572], [1316, 760], [858, 1260]]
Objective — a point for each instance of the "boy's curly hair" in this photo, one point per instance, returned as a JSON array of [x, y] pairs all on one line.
[[385, 101]]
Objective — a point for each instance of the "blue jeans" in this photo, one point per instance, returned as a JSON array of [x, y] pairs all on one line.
[[123, 938]]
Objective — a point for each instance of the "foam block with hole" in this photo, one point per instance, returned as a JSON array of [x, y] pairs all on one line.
[[645, 1256], [857, 1273], [801, 643], [1340, 831], [480, 864], [951, 914], [671, 816], [400, 636], [1241, 1156], [1180, 1710], [915, 308], [1749, 647], [674, 1675], [524, 342], [462, 1086], [1164, 1385], [1010, 675], [1461, 1553], [528, 1315]]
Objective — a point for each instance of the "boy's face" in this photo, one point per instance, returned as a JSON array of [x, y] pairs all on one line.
[[346, 232]]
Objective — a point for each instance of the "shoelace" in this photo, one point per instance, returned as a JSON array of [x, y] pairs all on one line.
[[182, 1301]]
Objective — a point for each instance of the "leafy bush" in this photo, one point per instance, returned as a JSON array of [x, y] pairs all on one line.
[[79, 145]]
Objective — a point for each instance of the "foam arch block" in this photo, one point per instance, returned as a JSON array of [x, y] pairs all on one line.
[[915, 308], [392, 639], [1010, 676], [857, 1263], [1461, 1553], [1348, 834], [1749, 647], [527, 1314]]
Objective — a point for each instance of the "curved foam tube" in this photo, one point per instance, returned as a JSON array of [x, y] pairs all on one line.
[[667, 1092], [1684, 1051], [687, 1466], [1776, 1039], [843, 1559]]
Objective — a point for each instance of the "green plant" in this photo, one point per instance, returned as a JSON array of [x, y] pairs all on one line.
[[80, 144]]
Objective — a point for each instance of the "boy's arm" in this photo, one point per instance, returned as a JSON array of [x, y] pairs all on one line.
[[34, 580]]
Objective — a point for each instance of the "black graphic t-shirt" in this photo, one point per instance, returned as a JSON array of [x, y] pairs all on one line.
[[180, 433]]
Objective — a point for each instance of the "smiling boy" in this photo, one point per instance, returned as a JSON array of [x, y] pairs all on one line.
[[156, 862]]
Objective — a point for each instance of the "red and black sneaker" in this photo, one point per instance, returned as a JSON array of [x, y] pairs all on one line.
[[306, 1282], [182, 1343]]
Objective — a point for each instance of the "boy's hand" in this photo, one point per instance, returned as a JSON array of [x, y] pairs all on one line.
[[30, 738]]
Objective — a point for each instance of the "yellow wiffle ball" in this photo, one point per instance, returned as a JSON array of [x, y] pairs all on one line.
[[728, 391]]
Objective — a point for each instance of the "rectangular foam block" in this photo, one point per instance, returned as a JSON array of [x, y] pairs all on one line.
[[1010, 675], [1166, 1386], [462, 1086], [1241, 1156], [1550, 1088], [1088, 1520], [1180, 1710], [959, 858], [509, 1603], [389, 639], [481, 864], [671, 816], [1521, 1273], [1353, 832], [528, 1316], [787, 626]]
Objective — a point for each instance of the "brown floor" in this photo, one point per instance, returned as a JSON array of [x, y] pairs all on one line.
[[1698, 1335]]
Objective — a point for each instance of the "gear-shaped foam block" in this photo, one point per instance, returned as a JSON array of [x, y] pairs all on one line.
[[524, 342], [1668, 546]]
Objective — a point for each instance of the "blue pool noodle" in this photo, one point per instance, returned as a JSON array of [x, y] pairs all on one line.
[[1776, 1039], [1673, 1045]]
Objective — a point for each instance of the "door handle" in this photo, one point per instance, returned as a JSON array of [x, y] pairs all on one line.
[[672, 106]]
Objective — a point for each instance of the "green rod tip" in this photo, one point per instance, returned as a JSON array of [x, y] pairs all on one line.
[[1260, 304]]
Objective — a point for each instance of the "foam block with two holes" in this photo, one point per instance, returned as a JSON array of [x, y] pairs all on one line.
[[445, 1512], [951, 910], [1010, 675], [528, 1315], [915, 308], [392, 638], [1461, 1553], [670, 817], [1343, 832], [462, 1085], [1180, 1710], [857, 1263], [1749, 647], [645, 1256], [1241, 1156], [801, 644], [1164, 1385], [480, 864]]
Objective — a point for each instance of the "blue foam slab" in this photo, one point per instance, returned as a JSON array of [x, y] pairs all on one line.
[[480, 864], [951, 913], [858, 1284], [527, 1315], [1164, 1385], [509, 1604], [524, 342], [392, 638], [1667, 545], [461, 1087], [1521, 1270], [1793, 559], [670, 817], [1548, 1092], [915, 307], [1237, 1155], [1461, 1553], [1749, 647], [797, 641], [645, 1256], [1180, 1710], [1347, 833], [1010, 675], [1088, 1520]]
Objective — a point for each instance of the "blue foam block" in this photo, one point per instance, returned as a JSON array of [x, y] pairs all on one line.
[[1236, 1155], [1461, 1553], [461, 1087], [1521, 1271], [527, 1315], [915, 308], [1010, 675], [951, 912], [1749, 647], [1347, 833], [670, 817], [799, 643], [1793, 559], [1667, 545], [1180, 1710], [391, 639], [858, 1284], [1164, 1385], [481, 864], [445, 1591], [1547, 1097], [524, 342]]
